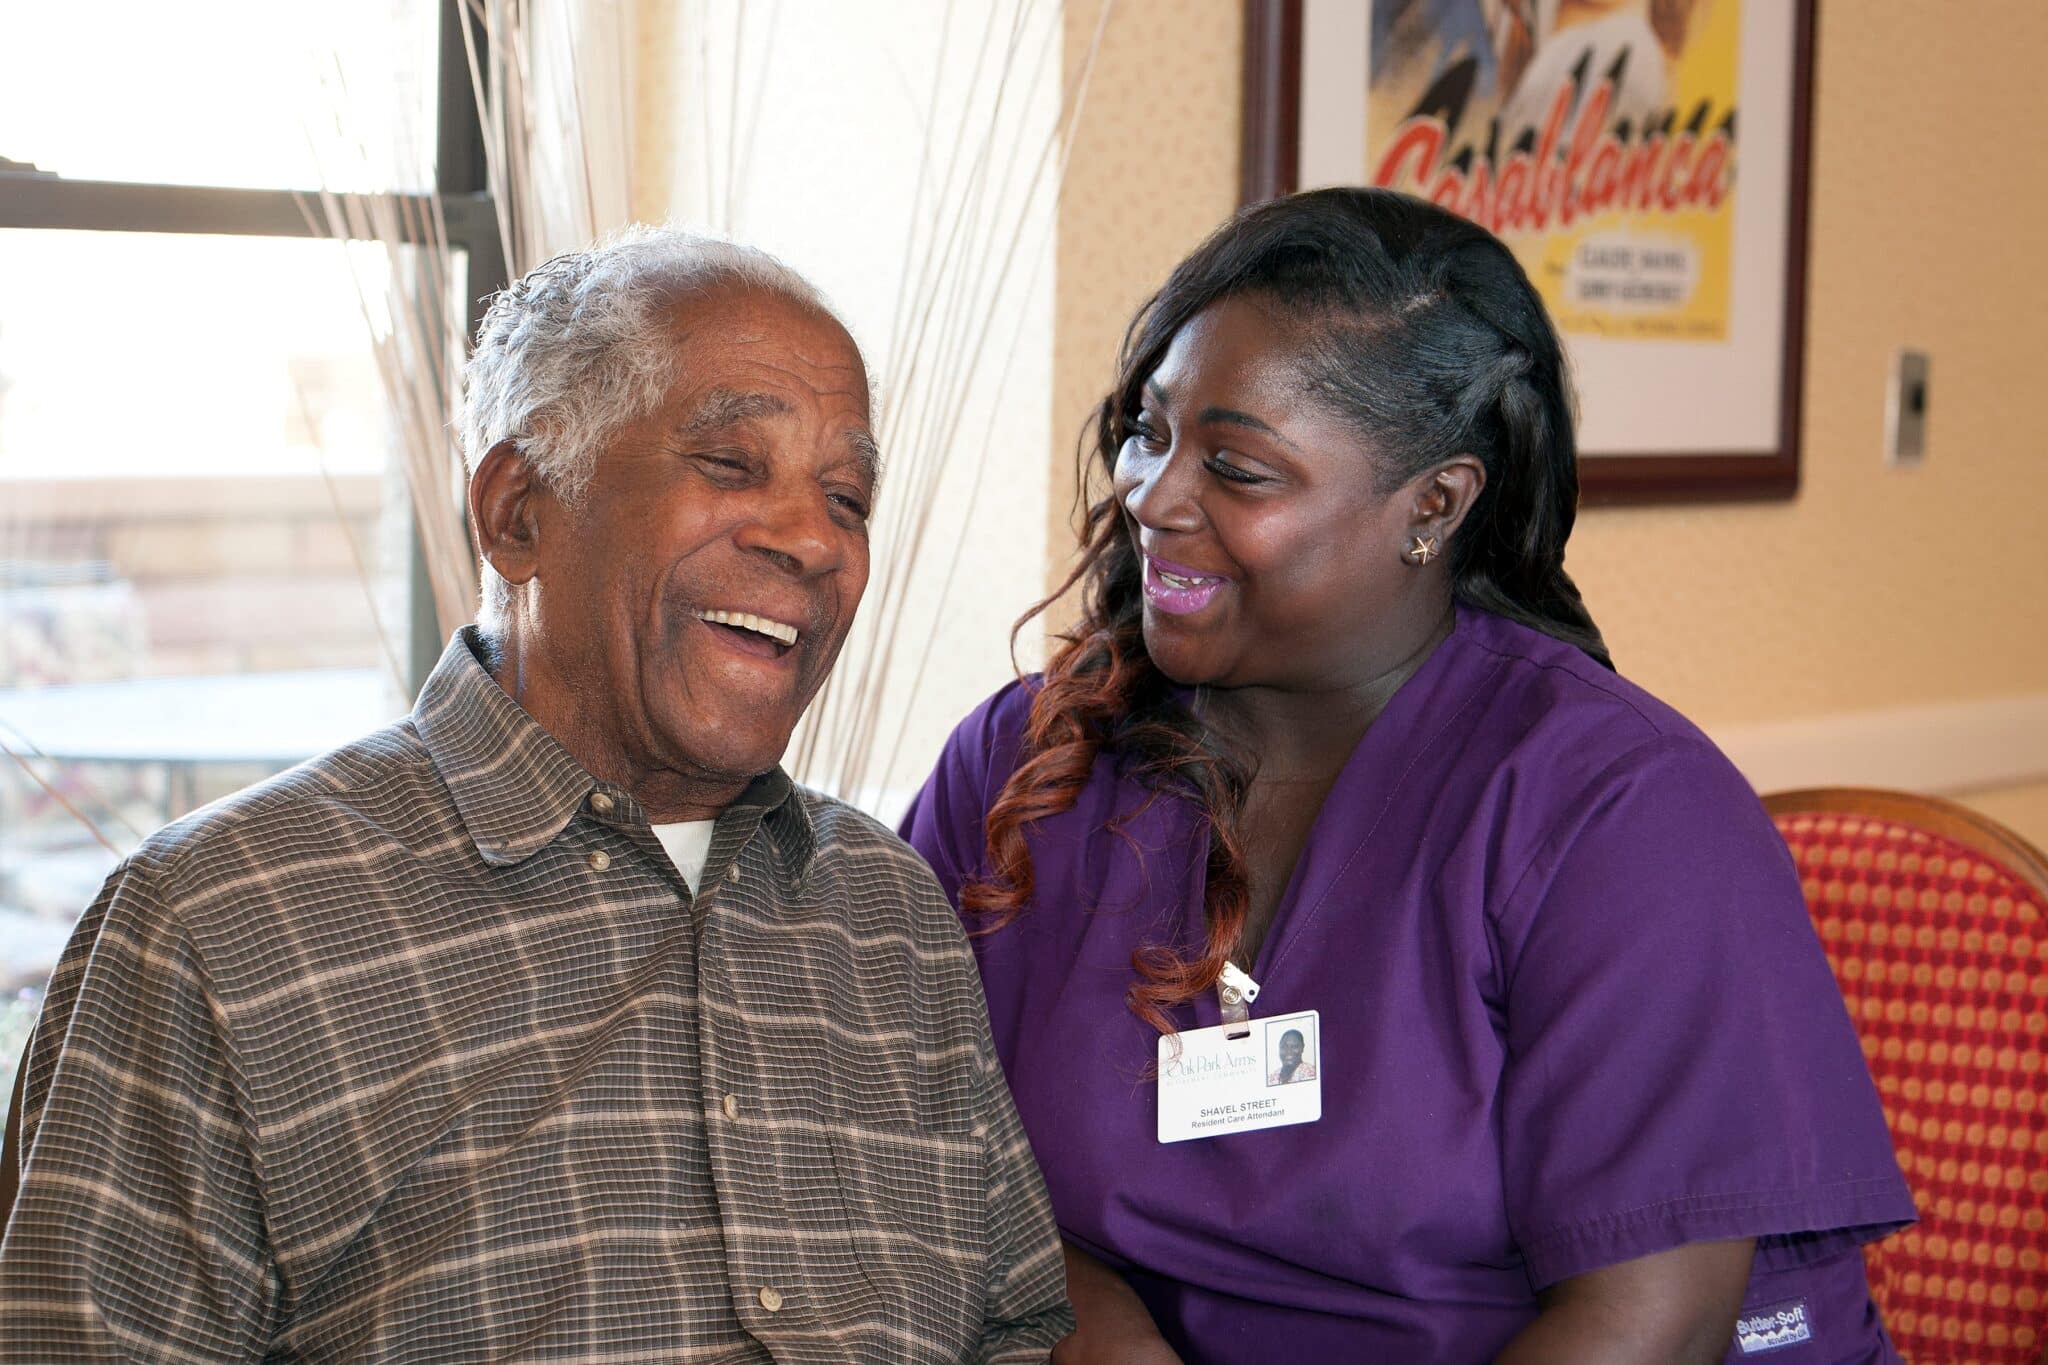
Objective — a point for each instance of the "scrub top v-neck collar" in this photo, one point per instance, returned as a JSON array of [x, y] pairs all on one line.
[[1399, 739]]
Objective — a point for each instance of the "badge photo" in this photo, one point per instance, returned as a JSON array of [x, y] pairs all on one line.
[[1291, 1050]]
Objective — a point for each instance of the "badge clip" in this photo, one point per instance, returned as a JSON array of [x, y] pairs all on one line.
[[1235, 991]]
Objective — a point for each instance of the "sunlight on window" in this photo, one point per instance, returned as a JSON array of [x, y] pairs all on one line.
[[229, 356], [204, 537], [202, 546], [244, 93]]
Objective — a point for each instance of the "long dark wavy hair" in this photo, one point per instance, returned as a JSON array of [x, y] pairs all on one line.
[[1427, 338]]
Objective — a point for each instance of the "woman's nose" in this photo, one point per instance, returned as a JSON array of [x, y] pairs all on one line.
[[1157, 490]]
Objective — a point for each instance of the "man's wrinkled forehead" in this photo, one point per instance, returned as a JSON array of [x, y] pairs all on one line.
[[741, 314]]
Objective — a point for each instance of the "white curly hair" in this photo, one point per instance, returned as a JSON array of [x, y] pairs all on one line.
[[582, 345]]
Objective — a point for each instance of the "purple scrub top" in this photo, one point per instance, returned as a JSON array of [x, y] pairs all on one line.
[[1573, 1013]]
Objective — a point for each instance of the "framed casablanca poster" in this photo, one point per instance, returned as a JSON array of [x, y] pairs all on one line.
[[1646, 160]]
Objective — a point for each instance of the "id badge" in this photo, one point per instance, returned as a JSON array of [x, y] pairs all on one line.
[[1212, 1084]]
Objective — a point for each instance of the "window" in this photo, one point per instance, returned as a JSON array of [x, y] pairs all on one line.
[[206, 563]]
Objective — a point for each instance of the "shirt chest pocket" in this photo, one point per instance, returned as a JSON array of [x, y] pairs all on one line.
[[915, 1203]]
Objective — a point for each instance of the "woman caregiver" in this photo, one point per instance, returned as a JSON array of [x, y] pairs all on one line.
[[1336, 751]]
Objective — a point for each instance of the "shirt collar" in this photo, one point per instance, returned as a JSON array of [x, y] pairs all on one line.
[[773, 801], [516, 787]]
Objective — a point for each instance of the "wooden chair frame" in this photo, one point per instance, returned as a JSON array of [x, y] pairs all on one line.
[[1937, 815]]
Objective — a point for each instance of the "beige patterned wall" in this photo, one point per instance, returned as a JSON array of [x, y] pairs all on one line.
[[1880, 586], [1153, 168], [1876, 587]]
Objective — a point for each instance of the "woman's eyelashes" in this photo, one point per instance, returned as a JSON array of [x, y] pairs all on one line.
[[1220, 465], [1224, 464]]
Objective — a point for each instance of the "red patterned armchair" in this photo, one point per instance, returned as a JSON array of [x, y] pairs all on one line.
[[1936, 922]]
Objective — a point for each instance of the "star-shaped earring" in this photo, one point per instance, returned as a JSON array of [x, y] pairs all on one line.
[[1424, 549]]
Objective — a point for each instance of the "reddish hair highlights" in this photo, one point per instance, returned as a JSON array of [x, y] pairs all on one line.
[[1428, 339], [1101, 692]]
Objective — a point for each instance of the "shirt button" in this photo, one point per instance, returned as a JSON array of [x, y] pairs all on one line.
[[732, 1106], [732, 873], [599, 860], [771, 1298], [602, 803]]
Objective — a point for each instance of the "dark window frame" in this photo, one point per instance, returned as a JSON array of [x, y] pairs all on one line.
[[460, 201]]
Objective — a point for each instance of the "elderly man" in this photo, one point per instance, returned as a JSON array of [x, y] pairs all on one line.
[[553, 1022]]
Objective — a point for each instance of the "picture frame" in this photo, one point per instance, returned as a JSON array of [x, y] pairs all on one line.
[[1678, 280]]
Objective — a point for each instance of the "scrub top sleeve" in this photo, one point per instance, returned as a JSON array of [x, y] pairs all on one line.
[[1680, 1064], [947, 819]]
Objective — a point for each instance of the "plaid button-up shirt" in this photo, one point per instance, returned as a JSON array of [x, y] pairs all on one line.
[[423, 1051]]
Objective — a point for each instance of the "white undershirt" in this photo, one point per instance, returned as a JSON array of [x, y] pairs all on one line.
[[687, 843]]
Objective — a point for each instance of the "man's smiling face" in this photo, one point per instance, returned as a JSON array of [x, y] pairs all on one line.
[[691, 600]]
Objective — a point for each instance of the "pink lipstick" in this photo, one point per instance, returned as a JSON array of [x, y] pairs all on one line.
[[1178, 590]]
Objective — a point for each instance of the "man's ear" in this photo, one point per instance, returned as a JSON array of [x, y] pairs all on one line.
[[503, 494], [1443, 495]]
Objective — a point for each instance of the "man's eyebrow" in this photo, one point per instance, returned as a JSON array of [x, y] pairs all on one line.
[[722, 408], [869, 453]]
